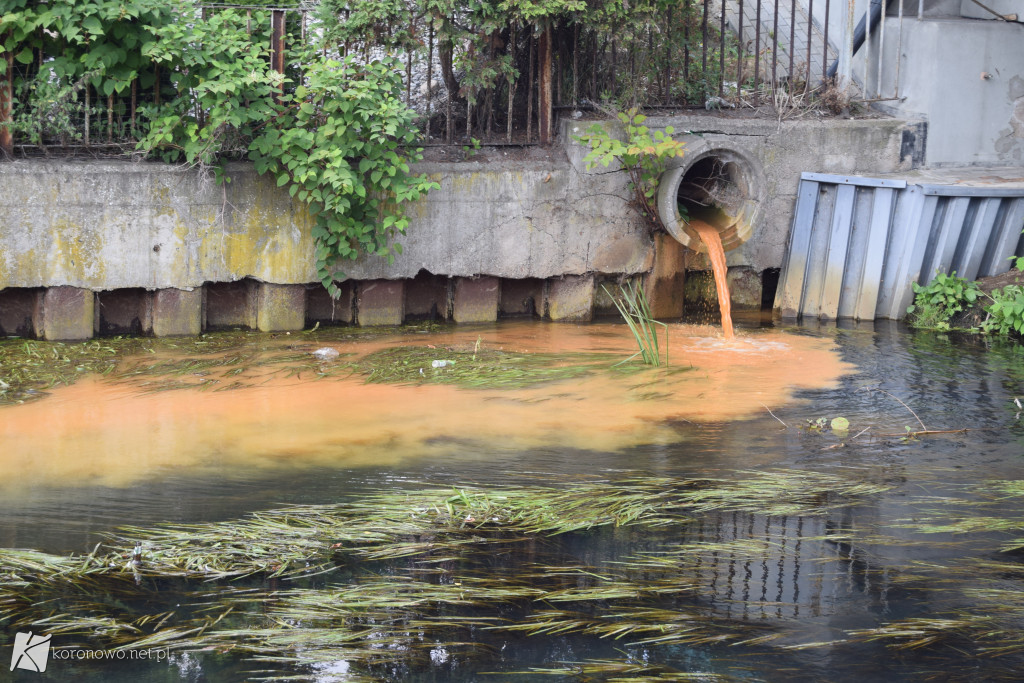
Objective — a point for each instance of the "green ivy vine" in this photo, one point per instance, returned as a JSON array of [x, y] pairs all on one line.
[[334, 131]]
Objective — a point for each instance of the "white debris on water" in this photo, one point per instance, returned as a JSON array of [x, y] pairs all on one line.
[[326, 353]]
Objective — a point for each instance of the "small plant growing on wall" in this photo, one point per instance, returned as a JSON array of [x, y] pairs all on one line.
[[643, 156]]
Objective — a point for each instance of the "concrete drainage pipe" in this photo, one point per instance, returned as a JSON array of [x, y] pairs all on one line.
[[717, 184]]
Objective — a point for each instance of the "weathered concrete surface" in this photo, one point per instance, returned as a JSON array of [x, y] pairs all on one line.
[[782, 151], [113, 225], [745, 289], [177, 312], [381, 302], [475, 300], [280, 308], [700, 295], [571, 298], [65, 314], [965, 78], [664, 284], [321, 308]]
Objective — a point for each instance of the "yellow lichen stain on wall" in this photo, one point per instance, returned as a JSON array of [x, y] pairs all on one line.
[[74, 254]]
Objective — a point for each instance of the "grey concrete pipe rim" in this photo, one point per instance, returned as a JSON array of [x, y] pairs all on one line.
[[744, 171]]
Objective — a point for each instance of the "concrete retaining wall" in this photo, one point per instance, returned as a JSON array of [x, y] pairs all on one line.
[[107, 226]]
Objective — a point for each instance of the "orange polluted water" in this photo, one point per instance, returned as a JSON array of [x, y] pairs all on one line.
[[713, 241], [109, 433]]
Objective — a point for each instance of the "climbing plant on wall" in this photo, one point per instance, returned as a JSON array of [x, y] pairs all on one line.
[[335, 132], [643, 155]]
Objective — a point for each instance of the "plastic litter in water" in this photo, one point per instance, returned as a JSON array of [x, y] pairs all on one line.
[[441, 363]]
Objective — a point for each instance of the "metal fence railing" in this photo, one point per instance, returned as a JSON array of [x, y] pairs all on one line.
[[505, 83]]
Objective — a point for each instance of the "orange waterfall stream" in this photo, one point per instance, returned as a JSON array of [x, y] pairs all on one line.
[[709, 235]]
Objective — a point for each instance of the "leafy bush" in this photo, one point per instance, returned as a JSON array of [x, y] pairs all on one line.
[[1006, 312], [337, 143], [937, 304]]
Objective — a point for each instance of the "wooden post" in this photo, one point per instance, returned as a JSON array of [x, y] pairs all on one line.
[[6, 102], [544, 99], [277, 45]]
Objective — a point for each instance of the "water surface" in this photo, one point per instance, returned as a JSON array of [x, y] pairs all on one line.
[[103, 453]]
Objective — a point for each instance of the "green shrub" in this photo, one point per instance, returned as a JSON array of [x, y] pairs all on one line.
[[938, 304], [1006, 312]]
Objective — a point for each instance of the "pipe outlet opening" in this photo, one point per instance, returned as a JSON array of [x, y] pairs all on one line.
[[719, 186]]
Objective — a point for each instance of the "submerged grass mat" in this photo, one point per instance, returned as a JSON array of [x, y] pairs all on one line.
[[383, 581]]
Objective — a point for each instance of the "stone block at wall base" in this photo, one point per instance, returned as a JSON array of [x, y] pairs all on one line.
[[571, 298], [664, 284], [65, 314], [321, 308], [745, 289], [177, 312], [280, 308], [381, 302], [476, 300]]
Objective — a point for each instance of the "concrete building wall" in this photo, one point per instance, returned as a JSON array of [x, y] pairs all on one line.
[[965, 78]]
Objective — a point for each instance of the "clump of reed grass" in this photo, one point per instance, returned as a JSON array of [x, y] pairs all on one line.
[[632, 304]]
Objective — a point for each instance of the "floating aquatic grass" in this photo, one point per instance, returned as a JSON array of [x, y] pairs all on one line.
[[235, 360], [29, 368], [372, 580], [474, 367], [382, 581]]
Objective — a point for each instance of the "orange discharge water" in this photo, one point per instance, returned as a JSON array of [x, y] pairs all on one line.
[[713, 241], [99, 432]]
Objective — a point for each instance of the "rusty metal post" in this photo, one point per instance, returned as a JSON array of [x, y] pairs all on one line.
[[686, 43], [757, 47], [739, 56], [721, 56], [824, 57], [775, 46], [277, 27], [704, 52], [529, 91], [668, 58], [430, 73], [792, 44], [544, 99], [810, 32], [846, 51], [6, 103]]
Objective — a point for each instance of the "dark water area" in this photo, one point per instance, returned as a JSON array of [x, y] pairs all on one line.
[[808, 593]]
